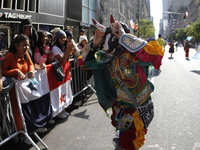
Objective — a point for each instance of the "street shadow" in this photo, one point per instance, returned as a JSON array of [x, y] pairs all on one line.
[[90, 102], [188, 59], [196, 71], [170, 57], [82, 115]]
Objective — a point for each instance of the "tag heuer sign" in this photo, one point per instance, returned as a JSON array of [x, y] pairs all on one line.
[[9, 15], [1, 14]]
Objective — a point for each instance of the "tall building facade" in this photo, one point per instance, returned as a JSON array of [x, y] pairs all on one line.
[[193, 11], [164, 30], [173, 15], [76, 14], [46, 15], [125, 10]]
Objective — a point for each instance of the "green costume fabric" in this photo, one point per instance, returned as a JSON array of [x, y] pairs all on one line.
[[104, 86]]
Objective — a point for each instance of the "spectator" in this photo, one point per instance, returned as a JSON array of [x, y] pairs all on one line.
[[53, 31], [27, 29], [18, 64], [75, 51], [42, 53], [81, 33], [82, 45], [61, 52], [49, 39]]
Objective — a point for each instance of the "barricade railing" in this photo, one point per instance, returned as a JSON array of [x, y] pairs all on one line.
[[81, 83], [8, 128], [82, 79]]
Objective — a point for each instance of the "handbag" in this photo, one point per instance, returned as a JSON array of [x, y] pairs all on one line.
[[58, 71], [146, 111]]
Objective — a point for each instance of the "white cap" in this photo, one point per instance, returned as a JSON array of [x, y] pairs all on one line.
[[81, 38]]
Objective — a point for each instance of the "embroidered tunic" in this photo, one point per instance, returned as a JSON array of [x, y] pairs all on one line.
[[131, 63]]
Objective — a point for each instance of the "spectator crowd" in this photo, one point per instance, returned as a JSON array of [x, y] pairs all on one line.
[[31, 51]]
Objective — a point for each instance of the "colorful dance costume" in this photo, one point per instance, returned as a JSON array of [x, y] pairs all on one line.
[[130, 62]]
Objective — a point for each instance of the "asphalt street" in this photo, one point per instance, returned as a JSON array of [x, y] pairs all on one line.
[[176, 100], [175, 125], [87, 128]]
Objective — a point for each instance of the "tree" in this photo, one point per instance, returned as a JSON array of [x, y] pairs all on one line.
[[146, 28], [172, 36], [181, 34], [194, 30]]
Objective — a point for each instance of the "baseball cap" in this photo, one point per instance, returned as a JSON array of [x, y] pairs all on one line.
[[82, 30]]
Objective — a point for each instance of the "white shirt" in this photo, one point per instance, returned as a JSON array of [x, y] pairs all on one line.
[[57, 51]]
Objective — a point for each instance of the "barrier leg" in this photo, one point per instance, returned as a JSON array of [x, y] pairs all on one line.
[[32, 142], [15, 134], [39, 139], [92, 88], [24, 125]]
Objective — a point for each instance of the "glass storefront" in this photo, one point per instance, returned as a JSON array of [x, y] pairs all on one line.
[[7, 32]]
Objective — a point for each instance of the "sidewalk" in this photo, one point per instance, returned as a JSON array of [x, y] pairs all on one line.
[[87, 128]]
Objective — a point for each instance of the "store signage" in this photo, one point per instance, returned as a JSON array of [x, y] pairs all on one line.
[[9, 15]]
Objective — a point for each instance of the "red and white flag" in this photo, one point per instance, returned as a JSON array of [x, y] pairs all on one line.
[[43, 97]]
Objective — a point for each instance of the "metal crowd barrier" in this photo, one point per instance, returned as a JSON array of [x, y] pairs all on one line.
[[8, 128], [82, 80], [81, 83]]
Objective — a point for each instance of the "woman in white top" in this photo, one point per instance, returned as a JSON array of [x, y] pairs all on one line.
[[61, 51]]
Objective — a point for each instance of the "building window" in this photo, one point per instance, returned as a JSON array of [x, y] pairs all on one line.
[[20, 4], [92, 4], [31, 5], [85, 15], [88, 11], [7, 3], [85, 3]]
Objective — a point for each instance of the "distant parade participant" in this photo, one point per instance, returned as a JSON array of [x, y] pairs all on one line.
[[171, 48], [186, 49], [128, 58], [161, 41]]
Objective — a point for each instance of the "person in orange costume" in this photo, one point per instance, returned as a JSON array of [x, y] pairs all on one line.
[[18, 64]]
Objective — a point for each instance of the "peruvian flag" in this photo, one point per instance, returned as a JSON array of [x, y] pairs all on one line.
[[43, 97]]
